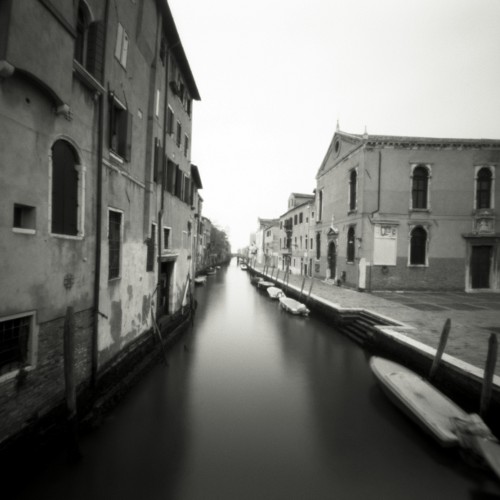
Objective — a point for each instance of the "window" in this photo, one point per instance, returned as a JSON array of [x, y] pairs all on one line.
[[16, 341], [484, 182], [318, 245], [120, 129], [121, 48], [89, 42], [64, 214], [178, 182], [295, 220], [178, 136], [82, 26], [24, 218], [320, 205], [115, 243], [158, 161], [420, 185], [353, 184], [170, 121], [350, 245], [158, 102], [171, 173], [418, 246], [186, 145], [150, 259], [166, 237]]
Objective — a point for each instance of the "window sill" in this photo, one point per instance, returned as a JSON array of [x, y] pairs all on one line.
[[22, 230], [115, 157], [352, 212], [87, 78], [13, 374], [114, 280], [418, 265], [421, 210], [77, 237]]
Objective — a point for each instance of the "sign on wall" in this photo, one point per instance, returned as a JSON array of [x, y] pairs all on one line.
[[385, 245]]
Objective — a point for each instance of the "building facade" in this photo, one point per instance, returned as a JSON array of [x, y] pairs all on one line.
[[296, 234], [408, 213], [99, 196]]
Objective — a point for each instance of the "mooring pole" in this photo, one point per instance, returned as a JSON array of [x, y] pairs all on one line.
[[440, 349], [489, 372], [302, 287], [310, 289], [70, 385], [277, 274]]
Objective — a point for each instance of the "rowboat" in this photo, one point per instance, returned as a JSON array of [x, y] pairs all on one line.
[[211, 270], [293, 306], [200, 280], [423, 403], [274, 292], [243, 267], [436, 414]]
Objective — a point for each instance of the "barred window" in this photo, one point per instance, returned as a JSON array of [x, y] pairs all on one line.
[[353, 183], [350, 245], [14, 341]]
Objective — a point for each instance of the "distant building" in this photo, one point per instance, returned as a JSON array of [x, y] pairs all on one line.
[[408, 213], [99, 196], [259, 252], [272, 244], [296, 234]]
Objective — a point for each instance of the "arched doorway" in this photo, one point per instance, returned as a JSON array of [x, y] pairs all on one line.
[[332, 259]]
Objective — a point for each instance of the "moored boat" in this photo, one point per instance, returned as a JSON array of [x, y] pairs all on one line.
[[264, 284], [423, 403], [293, 306], [200, 280], [243, 267], [275, 292]]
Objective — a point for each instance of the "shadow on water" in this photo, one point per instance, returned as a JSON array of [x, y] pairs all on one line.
[[258, 404]]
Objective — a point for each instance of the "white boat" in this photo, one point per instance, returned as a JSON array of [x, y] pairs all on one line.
[[423, 403], [436, 414], [293, 306], [211, 270], [200, 280], [275, 292], [243, 267], [264, 284]]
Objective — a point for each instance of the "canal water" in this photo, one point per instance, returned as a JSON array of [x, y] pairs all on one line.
[[257, 404]]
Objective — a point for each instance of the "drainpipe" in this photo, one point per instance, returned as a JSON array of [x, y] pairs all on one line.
[[98, 232]]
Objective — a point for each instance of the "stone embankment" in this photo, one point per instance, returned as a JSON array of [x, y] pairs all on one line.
[[406, 326]]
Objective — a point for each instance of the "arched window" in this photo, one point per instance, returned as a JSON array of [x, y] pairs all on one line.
[[64, 189], [420, 185], [418, 246], [318, 245], [483, 188], [82, 26], [353, 180], [350, 245]]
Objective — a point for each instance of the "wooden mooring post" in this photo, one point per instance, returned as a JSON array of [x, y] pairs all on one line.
[[310, 289], [489, 372], [440, 350], [302, 287], [73, 448]]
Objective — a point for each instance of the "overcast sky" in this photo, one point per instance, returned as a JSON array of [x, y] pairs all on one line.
[[276, 75]]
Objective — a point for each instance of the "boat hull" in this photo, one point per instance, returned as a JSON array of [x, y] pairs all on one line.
[[293, 306], [423, 403], [275, 292]]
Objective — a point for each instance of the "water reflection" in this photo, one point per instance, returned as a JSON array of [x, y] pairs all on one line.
[[259, 404]]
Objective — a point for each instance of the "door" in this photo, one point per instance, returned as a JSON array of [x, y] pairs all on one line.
[[480, 266], [164, 288], [332, 259]]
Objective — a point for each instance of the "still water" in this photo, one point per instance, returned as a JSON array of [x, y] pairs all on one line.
[[258, 404]]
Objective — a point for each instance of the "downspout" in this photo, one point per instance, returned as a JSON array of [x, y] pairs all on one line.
[[100, 152], [377, 209]]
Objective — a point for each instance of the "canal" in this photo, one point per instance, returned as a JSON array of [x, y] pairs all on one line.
[[257, 404]]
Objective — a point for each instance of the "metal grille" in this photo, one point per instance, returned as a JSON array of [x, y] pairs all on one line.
[[14, 335]]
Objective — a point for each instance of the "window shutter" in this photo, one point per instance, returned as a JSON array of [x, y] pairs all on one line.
[[155, 160], [123, 59], [95, 50], [119, 39], [178, 181], [128, 135]]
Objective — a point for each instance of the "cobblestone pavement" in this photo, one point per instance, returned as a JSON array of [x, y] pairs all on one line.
[[474, 316]]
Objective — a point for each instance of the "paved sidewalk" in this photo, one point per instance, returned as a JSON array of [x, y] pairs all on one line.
[[474, 316]]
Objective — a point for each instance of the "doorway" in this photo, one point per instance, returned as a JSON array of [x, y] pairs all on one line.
[[166, 271], [480, 266]]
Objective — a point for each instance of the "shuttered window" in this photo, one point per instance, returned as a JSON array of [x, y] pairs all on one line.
[[120, 130], [420, 185], [418, 246], [114, 243], [64, 189]]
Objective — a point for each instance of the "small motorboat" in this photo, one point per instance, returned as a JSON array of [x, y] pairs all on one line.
[[243, 267], [293, 306], [200, 280], [256, 279], [211, 270], [275, 292], [264, 284]]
